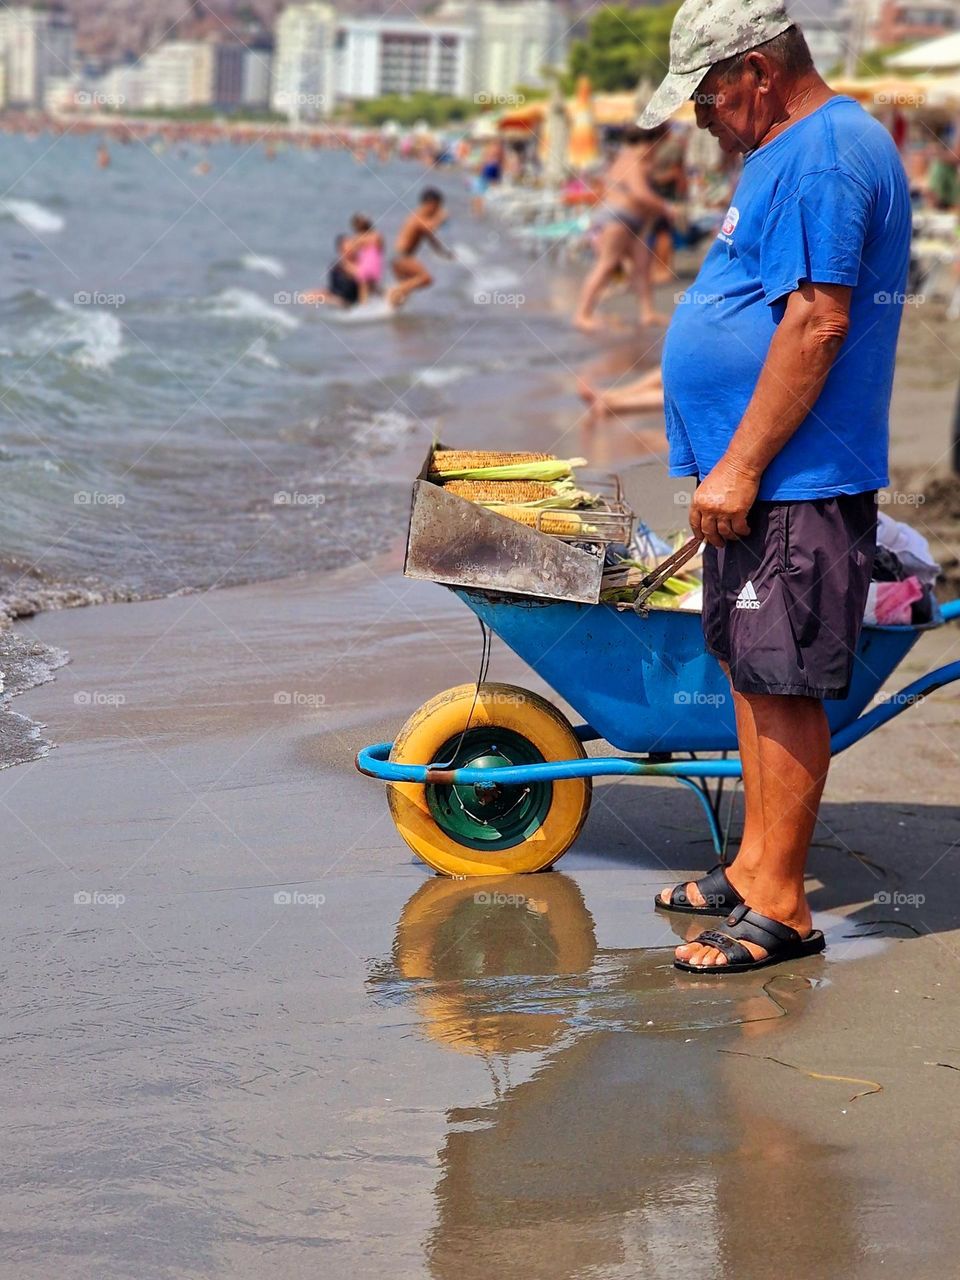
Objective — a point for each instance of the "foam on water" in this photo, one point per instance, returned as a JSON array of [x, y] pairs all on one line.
[[383, 431], [260, 352], [367, 313], [440, 376], [251, 308], [263, 262], [466, 254], [494, 279], [33, 216], [88, 337]]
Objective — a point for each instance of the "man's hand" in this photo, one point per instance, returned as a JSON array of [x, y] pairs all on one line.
[[721, 502]]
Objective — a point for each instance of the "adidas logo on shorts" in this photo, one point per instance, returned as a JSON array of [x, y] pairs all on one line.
[[747, 599]]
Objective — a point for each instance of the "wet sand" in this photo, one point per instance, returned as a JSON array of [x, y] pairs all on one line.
[[248, 1034], [390, 1073]]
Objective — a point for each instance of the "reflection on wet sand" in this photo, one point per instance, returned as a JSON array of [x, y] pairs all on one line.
[[617, 1153]]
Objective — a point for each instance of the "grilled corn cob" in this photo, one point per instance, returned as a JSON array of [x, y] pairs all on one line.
[[512, 491], [446, 460], [562, 524]]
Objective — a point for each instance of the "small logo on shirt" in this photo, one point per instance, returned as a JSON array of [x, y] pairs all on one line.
[[730, 221], [747, 599]]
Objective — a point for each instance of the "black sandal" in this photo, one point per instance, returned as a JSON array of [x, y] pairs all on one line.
[[778, 940], [719, 896]]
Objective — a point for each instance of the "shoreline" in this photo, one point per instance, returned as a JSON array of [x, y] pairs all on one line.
[[248, 1016]]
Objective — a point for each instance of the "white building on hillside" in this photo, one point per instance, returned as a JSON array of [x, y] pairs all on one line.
[[378, 56], [304, 64], [515, 42], [178, 74], [35, 46], [257, 73]]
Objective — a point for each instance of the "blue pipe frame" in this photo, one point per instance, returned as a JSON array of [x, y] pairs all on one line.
[[695, 773]]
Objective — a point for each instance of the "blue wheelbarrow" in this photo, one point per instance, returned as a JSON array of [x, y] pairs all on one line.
[[488, 779]]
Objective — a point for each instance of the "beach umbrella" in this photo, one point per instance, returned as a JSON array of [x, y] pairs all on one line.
[[942, 54], [556, 140], [583, 150]]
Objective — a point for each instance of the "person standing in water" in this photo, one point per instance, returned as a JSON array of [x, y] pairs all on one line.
[[343, 286], [422, 225], [630, 209], [366, 252]]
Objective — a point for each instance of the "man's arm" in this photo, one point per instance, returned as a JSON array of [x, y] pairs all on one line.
[[803, 351]]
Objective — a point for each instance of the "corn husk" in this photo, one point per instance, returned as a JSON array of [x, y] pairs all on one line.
[[622, 582], [541, 469]]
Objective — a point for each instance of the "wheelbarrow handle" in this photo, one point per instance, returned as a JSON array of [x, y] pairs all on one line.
[[950, 612]]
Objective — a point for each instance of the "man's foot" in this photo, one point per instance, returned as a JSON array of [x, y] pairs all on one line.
[[745, 928], [717, 893], [588, 324]]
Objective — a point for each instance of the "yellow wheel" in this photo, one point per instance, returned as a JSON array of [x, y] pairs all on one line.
[[488, 830]]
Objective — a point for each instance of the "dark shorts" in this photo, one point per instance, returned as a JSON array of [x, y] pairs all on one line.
[[784, 606]]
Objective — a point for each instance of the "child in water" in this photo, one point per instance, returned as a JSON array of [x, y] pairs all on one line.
[[366, 253]]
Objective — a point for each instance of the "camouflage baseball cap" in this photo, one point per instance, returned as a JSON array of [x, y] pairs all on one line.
[[704, 33]]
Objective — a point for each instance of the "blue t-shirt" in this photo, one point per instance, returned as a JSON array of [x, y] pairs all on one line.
[[826, 202]]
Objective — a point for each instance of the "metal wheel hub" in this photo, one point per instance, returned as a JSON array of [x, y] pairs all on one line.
[[488, 815]]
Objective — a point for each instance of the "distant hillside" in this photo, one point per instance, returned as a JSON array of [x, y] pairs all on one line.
[[114, 29]]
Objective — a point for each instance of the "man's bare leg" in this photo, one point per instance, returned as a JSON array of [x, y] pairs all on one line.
[[742, 872], [793, 742], [611, 250], [643, 283]]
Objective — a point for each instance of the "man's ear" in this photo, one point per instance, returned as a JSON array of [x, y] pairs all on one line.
[[759, 66]]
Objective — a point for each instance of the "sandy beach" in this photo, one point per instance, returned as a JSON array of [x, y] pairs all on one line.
[[372, 1071], [249, 1034]]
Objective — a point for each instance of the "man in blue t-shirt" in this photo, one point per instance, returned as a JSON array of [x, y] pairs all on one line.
[[778, 368]]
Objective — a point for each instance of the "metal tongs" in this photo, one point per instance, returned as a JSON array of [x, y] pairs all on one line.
[[653, 581]]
